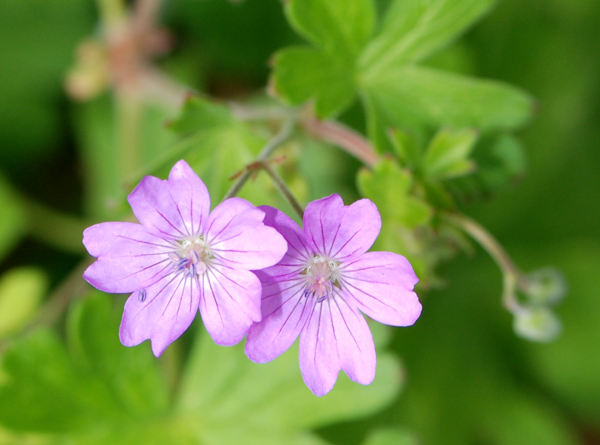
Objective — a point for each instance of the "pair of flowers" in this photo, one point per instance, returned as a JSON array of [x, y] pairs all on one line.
[[253, 271]]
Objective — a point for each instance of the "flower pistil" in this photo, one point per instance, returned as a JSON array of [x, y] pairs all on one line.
[[322, 275], [192, 257]]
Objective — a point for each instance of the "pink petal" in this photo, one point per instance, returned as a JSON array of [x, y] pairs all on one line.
[[339, 231], [293, 234], [230, 303], [319, 362], [167, 310], [191, 196], [129, 257], [155, 207], [336, 337], [381, 285], [223, 215], [238, 236], [284, 312]]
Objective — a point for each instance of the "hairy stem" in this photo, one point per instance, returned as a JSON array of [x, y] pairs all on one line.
[[512, 277], [343, 137]]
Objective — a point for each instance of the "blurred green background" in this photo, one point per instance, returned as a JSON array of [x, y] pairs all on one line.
[[469, 378]]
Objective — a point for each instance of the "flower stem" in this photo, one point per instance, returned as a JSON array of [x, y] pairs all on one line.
[[332, 132], [284, 133], [285, 191], [512, 277], [343, 137]]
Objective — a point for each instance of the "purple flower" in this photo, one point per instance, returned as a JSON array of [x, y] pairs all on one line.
[[181, 259], [320, 287]]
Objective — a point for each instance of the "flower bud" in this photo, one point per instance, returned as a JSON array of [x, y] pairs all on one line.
[[545, 286], [537, 324]]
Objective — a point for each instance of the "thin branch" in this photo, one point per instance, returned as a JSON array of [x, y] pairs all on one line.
[[283, 188], [284, 133], [512, 277]]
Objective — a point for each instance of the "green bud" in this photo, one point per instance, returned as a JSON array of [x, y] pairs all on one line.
[[538, 324], [545, 286]]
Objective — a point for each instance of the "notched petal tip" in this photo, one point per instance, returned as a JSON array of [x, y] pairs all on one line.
[[158, 347], [339, 231], [314, 208]]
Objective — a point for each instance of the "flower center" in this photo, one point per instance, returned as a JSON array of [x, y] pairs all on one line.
[[321, 275], [192, 257]]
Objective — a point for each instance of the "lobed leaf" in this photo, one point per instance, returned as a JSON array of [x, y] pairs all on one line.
[[339, 28], [94, 384], [221, 383], [415, 95], [215, 144], [388, 187], [448, 152], [302, 74], [414, 29], [324, 74], [407, 147], [198, 114]]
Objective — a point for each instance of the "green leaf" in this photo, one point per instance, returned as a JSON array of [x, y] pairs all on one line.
[[21, 290], [337, 27], [388, 187], [302, 74], [379, 125], [94, 385], [415, 96], [391, 436], [130, 374], [219, 146], [324, 74], [198, 114], [414, 29], [406, 146], [41, 391], [448, 152], [221, 384], [215, 144]]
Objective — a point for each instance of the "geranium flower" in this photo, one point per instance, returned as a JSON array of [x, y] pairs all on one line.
[[321, 285], [180, 259]]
